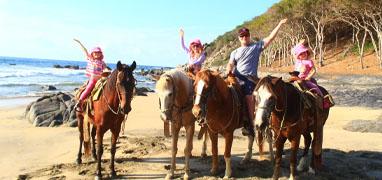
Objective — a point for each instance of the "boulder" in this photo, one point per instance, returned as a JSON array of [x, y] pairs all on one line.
[[49, 88], [51, 110], [141, 91]]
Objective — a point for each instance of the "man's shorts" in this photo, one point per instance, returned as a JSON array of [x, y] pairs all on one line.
[[248, 85]]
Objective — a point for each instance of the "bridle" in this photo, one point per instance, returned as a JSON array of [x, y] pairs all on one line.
[[119, 108], [202, 119], [171, 108]]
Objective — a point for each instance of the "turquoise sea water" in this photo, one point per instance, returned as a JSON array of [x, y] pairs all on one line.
[[26, 77]]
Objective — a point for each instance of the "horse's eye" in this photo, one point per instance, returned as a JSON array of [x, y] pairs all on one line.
[[170, 94]]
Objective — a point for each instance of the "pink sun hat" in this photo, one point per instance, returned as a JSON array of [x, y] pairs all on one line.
[[196, 42], [299, 48], [96, 49]]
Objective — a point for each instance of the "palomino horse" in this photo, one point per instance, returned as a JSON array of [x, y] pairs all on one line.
[[109, 112], [219, 104], [174, 89], [283, 105]]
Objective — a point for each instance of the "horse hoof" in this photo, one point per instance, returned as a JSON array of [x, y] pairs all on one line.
[[79, 161], [168, 177], [213, 172], [203, 155], [226, 177], [97, 178], [186, 176], [113, 174], [311, 170], [302, 165]]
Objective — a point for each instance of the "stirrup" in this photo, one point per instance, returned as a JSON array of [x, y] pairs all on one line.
[[78, 107]]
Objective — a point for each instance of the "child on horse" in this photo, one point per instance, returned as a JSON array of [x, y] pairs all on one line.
[[94, 69], [304, 69], [196, 54]]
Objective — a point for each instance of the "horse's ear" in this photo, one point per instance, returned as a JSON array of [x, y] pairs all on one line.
[[119, 66], [133, 66], [275, 80]]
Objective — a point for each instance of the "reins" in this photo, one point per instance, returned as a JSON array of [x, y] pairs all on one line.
[[235, 100]]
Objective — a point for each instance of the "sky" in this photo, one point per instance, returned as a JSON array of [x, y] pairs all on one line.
[[146, 31]]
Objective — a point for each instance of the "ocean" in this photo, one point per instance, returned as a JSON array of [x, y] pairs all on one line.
[[27, 77]]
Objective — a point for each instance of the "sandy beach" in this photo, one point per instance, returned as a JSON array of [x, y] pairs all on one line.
[[27, 152]]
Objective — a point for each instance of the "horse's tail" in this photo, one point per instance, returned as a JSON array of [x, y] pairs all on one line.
[[86, 133]]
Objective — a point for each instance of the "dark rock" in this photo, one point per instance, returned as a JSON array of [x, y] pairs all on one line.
[[49, 88], [66, 66], [141, 91], [51, 110], [364, 126]]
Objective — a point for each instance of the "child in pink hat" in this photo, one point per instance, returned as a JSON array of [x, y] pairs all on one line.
[[94, 69], [196, 53], [305, 66]]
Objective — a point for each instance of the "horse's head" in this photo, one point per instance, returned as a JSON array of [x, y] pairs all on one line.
[[268, 97], [165, 89], [205, 81], [125, 84]]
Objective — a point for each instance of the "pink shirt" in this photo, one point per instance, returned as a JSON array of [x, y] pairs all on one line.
[[94, 67], [304, 67]]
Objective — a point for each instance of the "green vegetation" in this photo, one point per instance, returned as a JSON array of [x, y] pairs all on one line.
[[320, 22]]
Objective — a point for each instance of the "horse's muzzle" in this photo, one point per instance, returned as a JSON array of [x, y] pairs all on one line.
[[196, 111], [165, 115]]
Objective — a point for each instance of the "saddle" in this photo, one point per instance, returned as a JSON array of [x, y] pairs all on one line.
[[94, 95], [310, 97], [234, 82]]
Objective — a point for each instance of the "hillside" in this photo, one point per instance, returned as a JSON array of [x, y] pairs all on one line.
[[344, 35]]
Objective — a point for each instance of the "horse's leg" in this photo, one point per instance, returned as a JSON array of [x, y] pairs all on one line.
[[99, 151], [270, 144], [248, 154], [317, 143], [187, 150], [166, 127], [293, 157], [93, 135], [204, 147], [175, 127], [114, 137], [227, 154], [81, 136], [260, 140], [279, 151], [214, 149], [304, 159]]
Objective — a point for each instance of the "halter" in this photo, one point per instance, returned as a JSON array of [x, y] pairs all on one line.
[[178, 109], [119, 108]]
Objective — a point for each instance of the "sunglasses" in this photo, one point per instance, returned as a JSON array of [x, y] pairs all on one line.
[[244, 36], [196, 45]]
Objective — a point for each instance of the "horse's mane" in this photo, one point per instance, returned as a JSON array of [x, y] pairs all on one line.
[[265, 81], [178, 76], [112, 80]]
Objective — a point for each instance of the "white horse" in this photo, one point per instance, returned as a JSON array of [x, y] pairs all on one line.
[[175, 91]]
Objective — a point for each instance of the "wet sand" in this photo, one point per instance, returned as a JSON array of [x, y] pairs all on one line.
[[143, 153]]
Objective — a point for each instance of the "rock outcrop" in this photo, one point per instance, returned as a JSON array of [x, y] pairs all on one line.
[[52, 110]]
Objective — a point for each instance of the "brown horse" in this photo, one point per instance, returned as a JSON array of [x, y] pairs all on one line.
[[290, 117], [174, 89], [219, 104], [109, 112]]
